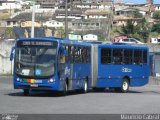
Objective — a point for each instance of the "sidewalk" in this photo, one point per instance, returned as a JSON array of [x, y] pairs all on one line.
[[154, 80]]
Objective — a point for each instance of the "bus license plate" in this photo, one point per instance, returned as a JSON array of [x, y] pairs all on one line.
[[34, 85]]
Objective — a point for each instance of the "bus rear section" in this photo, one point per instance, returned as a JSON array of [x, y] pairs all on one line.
[[120, 66]]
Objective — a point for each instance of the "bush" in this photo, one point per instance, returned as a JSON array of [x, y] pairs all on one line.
[[156, 28], [156, 14]]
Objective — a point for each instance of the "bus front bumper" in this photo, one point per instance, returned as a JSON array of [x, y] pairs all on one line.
[[55, 86]]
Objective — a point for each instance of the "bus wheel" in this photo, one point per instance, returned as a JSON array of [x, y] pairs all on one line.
[[65, 89], [125, 85], [85, 88], [25, 92]]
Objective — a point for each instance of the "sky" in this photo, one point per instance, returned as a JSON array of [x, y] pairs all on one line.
[[140, 1]]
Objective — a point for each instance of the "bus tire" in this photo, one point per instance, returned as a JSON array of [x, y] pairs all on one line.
[[125, 85], [85, 87], [65, 89], [25, 92]]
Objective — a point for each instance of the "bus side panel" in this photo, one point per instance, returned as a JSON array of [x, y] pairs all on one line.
[[108, 76], [80, 73], [77, 74], [140, 75], [112, 75]]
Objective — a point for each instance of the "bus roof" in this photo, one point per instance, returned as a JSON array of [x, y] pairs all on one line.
[[122, 46], [88, 43], [59, 40]]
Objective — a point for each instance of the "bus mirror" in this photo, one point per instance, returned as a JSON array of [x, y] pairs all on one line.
[[63, 51], [12, 53]]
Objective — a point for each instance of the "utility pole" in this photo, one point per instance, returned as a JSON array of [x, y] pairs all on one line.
[[66, 19], [33, 19], [111, 20]]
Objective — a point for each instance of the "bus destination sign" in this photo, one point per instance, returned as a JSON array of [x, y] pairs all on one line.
[[36, 43]]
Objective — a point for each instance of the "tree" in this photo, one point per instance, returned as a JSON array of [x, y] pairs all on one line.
[[156, 28], [144, 29], [129, 28], [153, 34], [140, 31], [156, 14]]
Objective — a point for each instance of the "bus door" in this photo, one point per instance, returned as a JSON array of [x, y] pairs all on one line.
[[61, 63]]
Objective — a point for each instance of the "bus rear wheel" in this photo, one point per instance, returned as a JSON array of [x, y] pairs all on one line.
[[85, 87], [125, 85], [25, 92]]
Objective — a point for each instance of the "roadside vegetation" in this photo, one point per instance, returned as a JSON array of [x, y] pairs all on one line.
[[143, 30]]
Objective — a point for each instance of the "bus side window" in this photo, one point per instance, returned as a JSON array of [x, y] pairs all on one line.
[[137, 56], [117, 56], [69, 55], [128, 56], [77, 54], [88, 55], [67, 52], [62, 59], [84, 55], [145, 56], [62, 54], [105, 55], [72, 54]]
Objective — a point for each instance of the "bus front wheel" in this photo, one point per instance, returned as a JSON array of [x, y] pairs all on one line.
[[65, 89], [25, 92]]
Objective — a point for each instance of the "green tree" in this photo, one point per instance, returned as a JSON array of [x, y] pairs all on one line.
[[156, 28], [153, 34], [156, 14], [129, 28], [9, 32], [140, 31], [144, 29]]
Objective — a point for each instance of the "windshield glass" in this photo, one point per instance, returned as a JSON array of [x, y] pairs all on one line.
[[36, 59]]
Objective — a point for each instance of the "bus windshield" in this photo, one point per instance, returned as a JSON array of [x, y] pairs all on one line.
[[36, 60]]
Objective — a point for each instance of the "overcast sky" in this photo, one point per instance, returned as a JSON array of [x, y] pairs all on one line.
[[140, 1]]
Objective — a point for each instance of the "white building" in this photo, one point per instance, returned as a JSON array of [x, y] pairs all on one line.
[[92, 5], [9, 4], [157, 6], [90, 37], [74, 37], [53, 23], [8, 23], [96, 14]]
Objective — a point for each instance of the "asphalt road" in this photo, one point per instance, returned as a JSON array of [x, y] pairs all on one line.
[[145, 100]]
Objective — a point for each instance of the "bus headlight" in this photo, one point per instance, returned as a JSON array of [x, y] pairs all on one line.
[[18, 79], [51, 80]]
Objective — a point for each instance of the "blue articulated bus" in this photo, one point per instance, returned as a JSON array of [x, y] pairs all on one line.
[[56, 64]]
